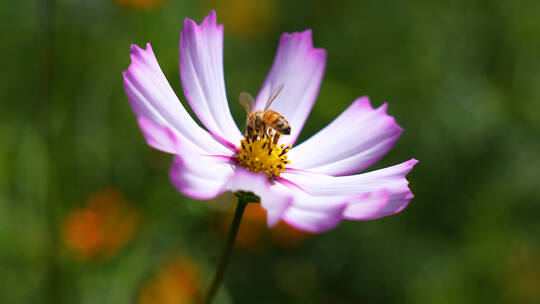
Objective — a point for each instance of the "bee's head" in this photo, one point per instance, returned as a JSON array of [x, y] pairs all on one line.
[[286, 130]]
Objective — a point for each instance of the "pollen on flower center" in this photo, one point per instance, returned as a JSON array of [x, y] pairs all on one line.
[[263, 154]]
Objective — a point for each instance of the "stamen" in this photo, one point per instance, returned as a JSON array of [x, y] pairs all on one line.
[[261, 153]]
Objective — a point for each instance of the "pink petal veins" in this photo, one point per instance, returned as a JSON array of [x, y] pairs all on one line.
[[200, 177], [321, 184], [371, 195], [159, 137], [300, 68], [313, 213], [151, 97], [201, 72], [377, 204], [354, 141]]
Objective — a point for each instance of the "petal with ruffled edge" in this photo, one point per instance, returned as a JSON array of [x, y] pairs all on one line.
[[300, 68], [354, 141], [201, 72], [376, 194], [369, 207], [151, 97]]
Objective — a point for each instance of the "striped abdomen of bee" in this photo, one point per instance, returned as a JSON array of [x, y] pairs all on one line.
[[277, 122]]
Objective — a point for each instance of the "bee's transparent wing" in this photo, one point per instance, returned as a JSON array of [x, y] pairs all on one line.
[[246, 101], [273, 96]]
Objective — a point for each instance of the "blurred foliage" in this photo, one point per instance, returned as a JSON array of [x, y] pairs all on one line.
[[461, 77]]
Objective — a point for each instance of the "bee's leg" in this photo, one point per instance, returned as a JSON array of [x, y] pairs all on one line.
[[253, 134], [249, 132], [276, 138]]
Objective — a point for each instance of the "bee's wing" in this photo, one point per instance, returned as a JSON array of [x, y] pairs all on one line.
[[246, 101], [273, 96]]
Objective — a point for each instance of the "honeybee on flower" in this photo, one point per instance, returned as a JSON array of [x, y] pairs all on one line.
[[258, 121], [312, 186]]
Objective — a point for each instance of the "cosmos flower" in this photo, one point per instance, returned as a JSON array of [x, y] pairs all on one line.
[[312, 186]]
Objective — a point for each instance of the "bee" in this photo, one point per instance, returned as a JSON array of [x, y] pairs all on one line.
[[258, 121]]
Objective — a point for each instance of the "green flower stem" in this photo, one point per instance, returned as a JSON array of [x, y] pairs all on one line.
[[243, 200]]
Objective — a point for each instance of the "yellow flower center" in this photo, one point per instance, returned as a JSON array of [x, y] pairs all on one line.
[[263, 154]]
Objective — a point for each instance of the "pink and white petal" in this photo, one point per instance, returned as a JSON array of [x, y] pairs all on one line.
[[354, 141], [358, 207], [201, 72], [151, 96], [390, 178], [304, 200], [377, 204], [315, 219], [313, 214], [380, 193], [274, 200], [200, 177], [300, 67], [311, 221], [160, 137]]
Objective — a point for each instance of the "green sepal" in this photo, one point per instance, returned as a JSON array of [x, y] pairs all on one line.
[[247, 197]]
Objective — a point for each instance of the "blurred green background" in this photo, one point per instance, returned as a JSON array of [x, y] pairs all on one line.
[[88, 215]]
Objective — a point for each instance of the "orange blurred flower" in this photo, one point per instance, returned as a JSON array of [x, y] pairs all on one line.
[[254, 235], [285, 236], [101, 228], [140, 4], [177, 282]]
